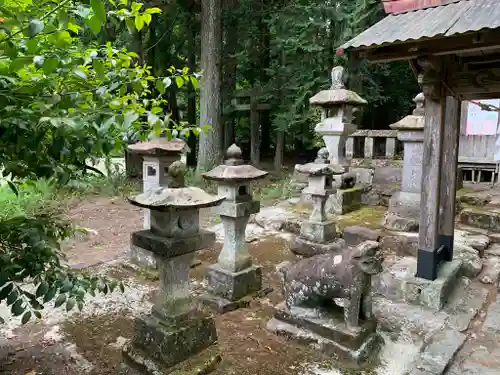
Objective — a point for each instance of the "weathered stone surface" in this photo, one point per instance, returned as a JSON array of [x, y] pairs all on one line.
[[472, 263], [142, 257], [388, 176], [396, 222], [305, 248], [492, 318], [480, 198], [483, 219], [354, 235], [491, 271], [321, 232], [400, 283], [439, 352], [168, 344], [344, 201], [328, 332], [171, 246], [478, 241], [395, 315], [324, 278], [234, 285], [278, 219], [364, 176], [400, 243]]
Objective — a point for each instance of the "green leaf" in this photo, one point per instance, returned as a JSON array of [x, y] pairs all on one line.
[[19, 63], [38, 314], [50, 65], [67, 286], [130, 25], [122, 287], [70, 304], [139, 22], [74, 27], [12, 297], [147, 18], [35, 27], [4, 278], [99, 9], [6, 291], [26, 317], [194, 81], [42, 289], [32, 45], [136, 7], [94, 24], [179, 81], [61, 298], [49, 295], [153, 10], [18, 308], [80, 73], [160, 86], [13, 187], [99, 68], [156, 110]]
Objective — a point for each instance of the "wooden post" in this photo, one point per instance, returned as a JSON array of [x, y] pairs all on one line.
[[449, 163], [428, 240]]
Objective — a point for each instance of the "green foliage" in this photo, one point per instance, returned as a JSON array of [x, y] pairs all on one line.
[[67, 95]]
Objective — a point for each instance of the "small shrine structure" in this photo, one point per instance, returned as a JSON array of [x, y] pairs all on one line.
[[454, 51]]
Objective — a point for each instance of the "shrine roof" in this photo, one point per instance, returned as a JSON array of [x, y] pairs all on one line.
[[454, 18]]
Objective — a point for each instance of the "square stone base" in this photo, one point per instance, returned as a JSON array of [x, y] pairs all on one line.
[[142, 257], [233, 286], [305, 248], [345, 201], [136, 362], [318, 231], [168, 342], [327, 331], [400, 282]]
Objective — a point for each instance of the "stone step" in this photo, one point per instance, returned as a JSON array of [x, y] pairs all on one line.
[[480, 218]]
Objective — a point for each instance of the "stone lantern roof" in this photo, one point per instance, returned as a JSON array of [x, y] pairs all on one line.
[[416, 120], [176, 195], [337, 94], [234, 169], [160, 146]]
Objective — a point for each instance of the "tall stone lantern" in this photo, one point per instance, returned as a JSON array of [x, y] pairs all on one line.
[[176, 329], [338, 105], [234, 276], [157, 155], [404, 205]]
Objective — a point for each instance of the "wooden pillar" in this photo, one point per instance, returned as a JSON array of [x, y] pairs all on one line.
[[428, 240], [449, 167]]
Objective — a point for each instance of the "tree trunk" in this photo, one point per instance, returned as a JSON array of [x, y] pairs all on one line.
[[254, 133], [279, 152], [230, 28], [209, 154], [191, 100]]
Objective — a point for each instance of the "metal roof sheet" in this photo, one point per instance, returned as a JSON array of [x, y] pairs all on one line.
[[439, 21]]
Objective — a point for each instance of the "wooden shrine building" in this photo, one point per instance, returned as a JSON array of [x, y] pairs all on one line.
[[454, 50]]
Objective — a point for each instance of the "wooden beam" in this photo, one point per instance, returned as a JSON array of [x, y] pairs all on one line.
[[428, 238], [470, 42], [449, 162], [475, 82]]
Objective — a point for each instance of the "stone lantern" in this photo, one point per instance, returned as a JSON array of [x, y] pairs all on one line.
[[338, 105], [234, 276], [404, 206], [157, 155], [318, 234], [175, 329]]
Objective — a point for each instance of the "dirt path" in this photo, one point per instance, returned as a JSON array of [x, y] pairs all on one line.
[[88, 342]]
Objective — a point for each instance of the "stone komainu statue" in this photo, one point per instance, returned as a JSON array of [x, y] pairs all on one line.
[[326, 278]]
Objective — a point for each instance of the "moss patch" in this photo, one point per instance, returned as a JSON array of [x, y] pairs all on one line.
[[370, 217]]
